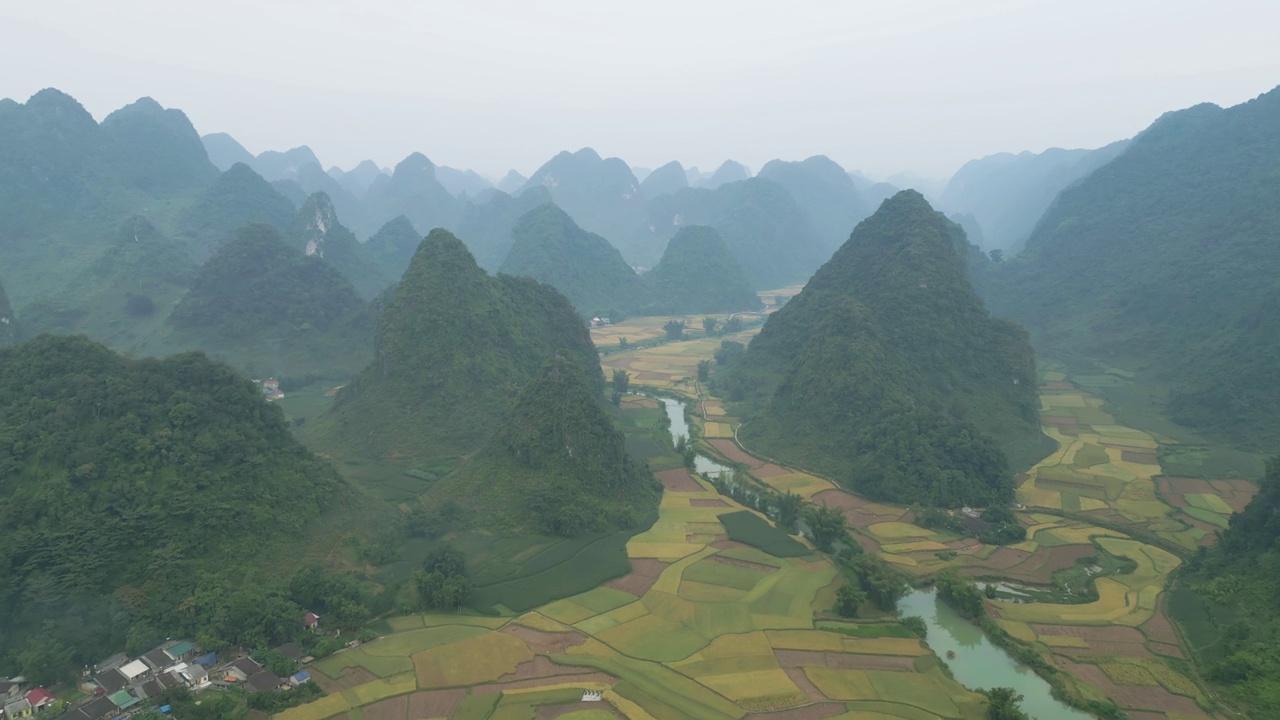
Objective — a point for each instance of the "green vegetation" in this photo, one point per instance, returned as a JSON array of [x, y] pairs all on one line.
[[135, 491], [556, 464], [1136, 266], [452, 348], [551, 248], [8, 321], [749, 528], [698, 274], [238, 198], [825, 191], [487, 222], [316, 231], [888, 373], [961, 594], [392, 247]]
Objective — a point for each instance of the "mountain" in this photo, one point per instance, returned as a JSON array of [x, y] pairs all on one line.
[[459, 182], [888, 373], [273, 165], [414, 191], [358, 179], [1164, 261], [759, 221], [556, 464], [8, 321], [267, 308], [729, 172], [698, 274], [487, 221], [600, 194], [312, 179], [511, 182], [666, 180], [318, 232], [237, 198], [393, 246], [549, 247], [185, 479], [452, 348], [224, 151], [156, 150], [826, 193], [1006, 194]]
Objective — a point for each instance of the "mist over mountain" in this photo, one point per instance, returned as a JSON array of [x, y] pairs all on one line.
[[600, 194], [1006, 194], [488, 219], [225, 151], [766, 230], [414, 191], [698, 274], [461, 182], [451, 350], [825, 191], [666, 180], [360, 178], [1164, 260], [511, 182], [319, 233], [888, 372], [274, 165], [393, 246], [237, 198], [729, 172], [156, 150], [9, 333]]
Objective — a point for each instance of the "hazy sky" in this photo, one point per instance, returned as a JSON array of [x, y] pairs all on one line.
[[882, 86]]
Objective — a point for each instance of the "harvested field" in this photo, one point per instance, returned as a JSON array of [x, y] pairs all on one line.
[[545, 643], [817, 711], [539, 667], [805, 685], [743, 563], [1005, 558], [707, 502], [769, 470], [1133, 696], [428, 704], [580, 678], [678, 480], [731, 450], [1139, 457], [585, 709], [351, 677], [843, 661], [644, 573]]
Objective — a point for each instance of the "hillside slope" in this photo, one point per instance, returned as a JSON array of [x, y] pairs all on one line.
[[698, 274]]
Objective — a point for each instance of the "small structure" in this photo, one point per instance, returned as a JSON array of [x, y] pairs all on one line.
[[207, 661], [271, 388], [195, 675], [123, 699], [592, 696], [158, 660], [111, 680], [18, 707], [300, 677], [111, 663], [135, 670], [95, 710], [311, 621], [182, 650], [263, 681], [243, 669], [40, 699]]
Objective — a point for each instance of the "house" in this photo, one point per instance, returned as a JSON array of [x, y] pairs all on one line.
[[194, 674], [123, 699], [182, 650], [96, 710], [243, 669], [158, 660], [311, 621], [263, 681], [160, 683], [300, 677], [40, 699], [975, 525], [207, 661], [18, 707], [111, 663], [136, 670], [112, 680], [271, 388]]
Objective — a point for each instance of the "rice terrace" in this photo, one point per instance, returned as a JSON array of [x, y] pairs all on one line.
[[721, 615]]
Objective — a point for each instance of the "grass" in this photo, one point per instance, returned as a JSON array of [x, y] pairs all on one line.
[[750, 529], [327, 706], [899, 531], [661, 691], [470, 661], [723, 574], [915, 689], [380, 666], [372, 692], [407, 643]]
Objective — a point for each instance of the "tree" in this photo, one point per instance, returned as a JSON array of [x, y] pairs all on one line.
[[960, 594], [915, 624], [674, 329], [997, 256], [704, 370], [709, 325], [729, 351], [789, 506], [1004, 704], [848, 599], [733, 324], [621, 380], [826, 526], [622, 343]]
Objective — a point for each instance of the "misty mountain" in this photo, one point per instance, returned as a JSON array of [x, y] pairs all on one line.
[[156, 150], [224, 151], [238, 197], [1164, 260], [312, 179], [358, 179], [729, 172], [549, 247], [698, 274], [274, 165], [1006, 194], [487, 221], [511, 182], [393, 246], [414, 191], [666, 180], [600, 194], [459, 182], [317, 232], [9, 333], [826, 193]]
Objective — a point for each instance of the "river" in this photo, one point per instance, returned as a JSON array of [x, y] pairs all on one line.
[[978, 663]]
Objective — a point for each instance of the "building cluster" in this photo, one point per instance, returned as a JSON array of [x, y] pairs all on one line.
[[123, 683], [19, 701]]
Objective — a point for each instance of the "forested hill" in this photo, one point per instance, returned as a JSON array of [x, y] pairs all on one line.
[[318, 232], [8, 322], [1228, 602], [124, 485], [549, 247], [392, 247], [698, 274], [887, 371], [1165, 260], [556, 464], [238, 197], [452, 349]]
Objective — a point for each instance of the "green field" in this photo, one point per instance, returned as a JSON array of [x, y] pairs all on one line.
[[750, 529]]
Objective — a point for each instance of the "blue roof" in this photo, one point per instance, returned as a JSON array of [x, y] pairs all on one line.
[[208, 661], [302, 676]]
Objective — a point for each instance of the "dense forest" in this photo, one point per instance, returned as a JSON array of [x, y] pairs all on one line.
[[8, 321], [451, 350], [698, 274], [887, 372], [130, 487], [556, 464], [316, 231], [393, 246]]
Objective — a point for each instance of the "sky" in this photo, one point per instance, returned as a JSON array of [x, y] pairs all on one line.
[[883, 87]]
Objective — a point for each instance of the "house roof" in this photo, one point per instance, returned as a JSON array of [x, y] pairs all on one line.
[[112, 680], [207, 661], [152, 688], [14, 707], [262, 681], [98, 708], [122, 699], [114, 661], [247, 666], [157, 658], [134, 668], [310, 618], [39, 695], [301, 676], [182, 648]]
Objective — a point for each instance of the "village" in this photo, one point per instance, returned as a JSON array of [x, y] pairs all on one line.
[[121, 686]]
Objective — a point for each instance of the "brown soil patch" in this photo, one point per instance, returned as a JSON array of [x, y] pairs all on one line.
[[1158, 628], [1119, 649], [867, 543], [538, 667], [550, 712], [1172, 651], [1005, 558], [1132, 696], [843, 661], [678, 480], [855, 508], [769, 470], [644, 573], [434, 703], [1165, 490], [539, 682], [744, 563], [1137, 456], [694, 538], [730, 450], [1242, 486], [545, 643], [819, 711], [730, 545], [1183, 486], [1020, 478], [805, 685], [707, 502], [1045, 561], [351, 677], [640, 401]]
